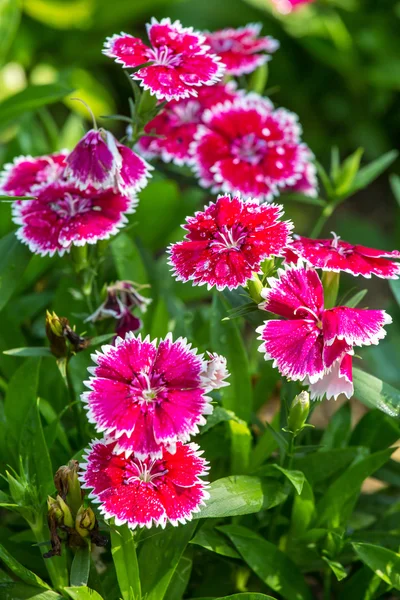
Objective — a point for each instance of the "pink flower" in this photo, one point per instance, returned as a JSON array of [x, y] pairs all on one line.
[[100, 161], [314, 344], [308, 183], [180, 61], [287, 6], [226, 244], [63, 216], [26, 175], [242, 50], [178, 122], [146, 492], [144, 395], [336, 255], [246, 146], [215, 372]]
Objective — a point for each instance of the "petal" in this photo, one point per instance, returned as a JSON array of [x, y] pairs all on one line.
[[179, 503], [134, 171], [297, 293], [26, 174], [92, 161], [179, 415], [357, 327], [185, 466], [127, 50], [335, 381], [295, 346]]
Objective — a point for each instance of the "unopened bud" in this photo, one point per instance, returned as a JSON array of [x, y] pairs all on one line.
[[66, 513], [85, 521], [59, 512], [55, 334], [68, 486], [298, 412]]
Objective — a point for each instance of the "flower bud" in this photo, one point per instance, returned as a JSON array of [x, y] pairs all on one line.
[[55, 334], [298, 412], [85, 521], [68, 486]]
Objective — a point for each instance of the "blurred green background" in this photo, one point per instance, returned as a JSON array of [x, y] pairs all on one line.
[[338, 68]]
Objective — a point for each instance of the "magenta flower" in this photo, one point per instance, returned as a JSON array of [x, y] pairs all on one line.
[[216, 372], [226, 244], [336, 255], [100, 161], [147, 492], [246, 146], [26, 175], [63, 216], [287, 6], [175, 126], [180, 60], [308, 183], [314, 344], [242, 50], [149, 394]]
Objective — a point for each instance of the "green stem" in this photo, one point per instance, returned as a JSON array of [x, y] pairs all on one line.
[[123, 550], [57, 565], [325, 215], [290, 452], [75, 406], [254, 287], [327, 584]]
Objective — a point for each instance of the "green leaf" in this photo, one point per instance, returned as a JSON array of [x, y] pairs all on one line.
[[214, 541], [20, 571], [376, 431], [302, 199], [356, 299], [10, 14], [34, 452], [31, 98], [271, 565], [127, 259], [123, 550], [159, 558], [80, 567], [375, 393], [159, 203], [244, 596], [303, 510], [241, 440], [367, 174], [33, 351], [21, 591], [337, 568], [320, 466], [337, 503], [159, 320], [338, 429], [296, 478], [21, 397], [226, 340], [219, 415], [347, 173], [180, 579], [384, 563], [395, 287], [82, 593], [265, 445], [241, 495], [14, 258]]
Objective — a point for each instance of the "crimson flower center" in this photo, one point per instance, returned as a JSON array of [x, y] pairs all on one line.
[[146, 389], [229, 238], [312, 314], [249, 148], [144, 471], [187, 114], [71, 205], [223, 45]]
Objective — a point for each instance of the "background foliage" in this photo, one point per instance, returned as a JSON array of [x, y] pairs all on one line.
[[339, 69]]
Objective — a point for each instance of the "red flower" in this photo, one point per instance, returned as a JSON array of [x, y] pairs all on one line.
[[25, 176], [180, 61], [146, 492], [246, 146], [175, 126], [242, 50], [227, 242], [336, 255]]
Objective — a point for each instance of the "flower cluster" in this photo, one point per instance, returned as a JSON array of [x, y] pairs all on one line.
[[78, 198], [148, 400]]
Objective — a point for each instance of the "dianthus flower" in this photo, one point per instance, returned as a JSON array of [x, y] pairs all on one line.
[[307, 184], [176, 125], [216, 371], [145, 395], [180, 59], [62, 216], [121, 298], [336, 255], [246, 146], [147, 492], [242, 50], [287, 6], [27, 175], [226, 244], [313, 344], [100, 161]]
